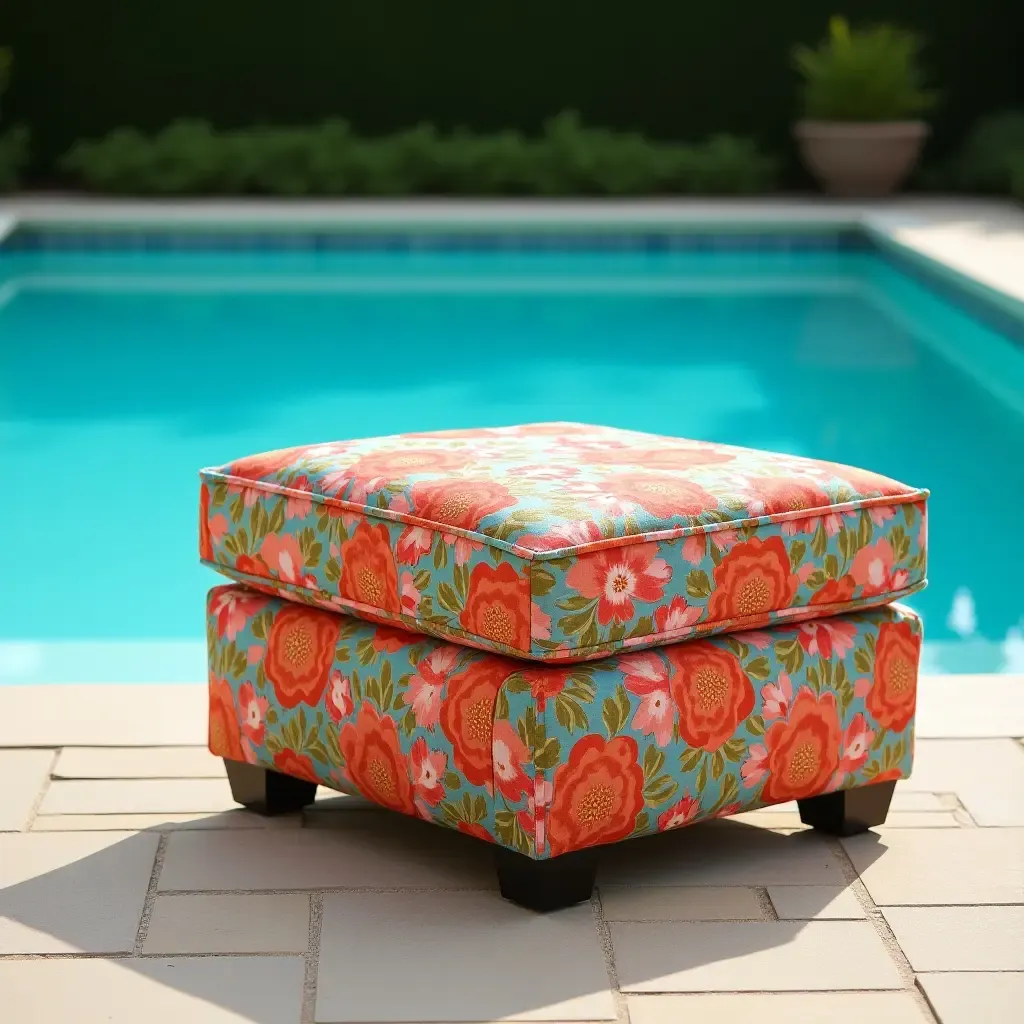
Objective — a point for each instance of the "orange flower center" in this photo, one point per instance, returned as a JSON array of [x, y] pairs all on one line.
[[298, 646], [454, 506], [380, 776], [478, 722], [803, 764], [901, 677], [497, 624], [755, 596], [620, 583], [595, 805], [658, 488], [712, 687], [369, 586]]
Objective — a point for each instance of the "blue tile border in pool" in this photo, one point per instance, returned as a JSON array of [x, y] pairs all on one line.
[[152, 239]]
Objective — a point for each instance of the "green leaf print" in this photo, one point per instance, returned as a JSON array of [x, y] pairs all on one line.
[[615, 711], [697, 584], [797, 550], [541, 581], [819, 542]]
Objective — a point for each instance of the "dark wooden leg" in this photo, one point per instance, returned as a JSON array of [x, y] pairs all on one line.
[[266, 791], [545, 885], [848, 811]]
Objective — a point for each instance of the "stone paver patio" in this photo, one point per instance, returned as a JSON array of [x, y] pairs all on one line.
[[130, 888]]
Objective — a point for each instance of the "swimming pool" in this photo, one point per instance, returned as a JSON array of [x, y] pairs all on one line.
[[128, 368]]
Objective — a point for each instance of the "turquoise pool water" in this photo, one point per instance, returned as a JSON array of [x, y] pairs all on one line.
[[123, 373]]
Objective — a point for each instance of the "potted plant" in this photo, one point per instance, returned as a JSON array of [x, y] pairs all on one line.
[[861, 91]]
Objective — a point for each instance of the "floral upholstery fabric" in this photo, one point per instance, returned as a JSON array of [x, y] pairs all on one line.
[[562, 542], [546, 759]]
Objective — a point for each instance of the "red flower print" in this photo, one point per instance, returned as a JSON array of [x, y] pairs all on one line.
[[475, 829], [205, 543], [300, 650], [374, 760], [835, 591], [597, 794], [225, 736], [339, 697], [510, 754], [546, 683], [681, 813], [533, 819], [428, 769], [266, 464], [872, 568], [378, 469], [424, 693], [617, 576], [413, 544], [803, 751], [459, 503], [392, 639], [467, 713], [282, 555], [890, 775], [251, 566], [566, 535], [663, 495], [893, 693], [752, 579], [787, 494], [369, 575], [299, 766], [233, 608], [667, 458], [675, 616], [711, 691], [823, 636], [498, 605], [254, 713]]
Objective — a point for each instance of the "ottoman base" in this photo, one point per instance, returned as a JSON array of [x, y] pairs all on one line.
[[546, 885], [266, 791], [848, 811]]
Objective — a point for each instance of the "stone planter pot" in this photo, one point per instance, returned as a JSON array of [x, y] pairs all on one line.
[[860, 158]]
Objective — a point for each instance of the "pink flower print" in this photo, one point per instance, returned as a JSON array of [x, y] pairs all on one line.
[[805, 571], [428, 768], [755, 638], [678, 615], [567, 535], [862, 687], [872, 568], [254, 653], [533, 820], [694, 547], [776, 698], [724, 539], [823, 636], [283, 557], [881, 514], [540, 623], [616, 576], [253, 711], [218, 528], [464, 547], [249, 495], [298, 506], [409, 594], [644, 673], [681, 813], [233, 609], [339, 696], [856, 746], [510, 754], [655, 716], [424, 693], [413, 544], [755, 767]]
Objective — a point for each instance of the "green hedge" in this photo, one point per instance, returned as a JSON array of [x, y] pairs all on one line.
[[191, 158], [670, 69]]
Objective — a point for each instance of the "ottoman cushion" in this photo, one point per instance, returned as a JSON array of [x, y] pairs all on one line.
[[562, 542], [547, 759]]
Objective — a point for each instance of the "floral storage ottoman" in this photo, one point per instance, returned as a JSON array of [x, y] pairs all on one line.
[[551, 761], [561, 542]]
